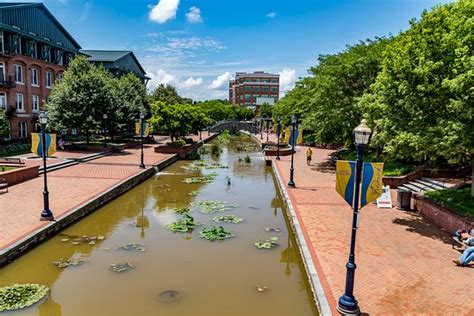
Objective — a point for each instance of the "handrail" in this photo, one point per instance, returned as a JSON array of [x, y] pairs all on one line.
[[457, 176]]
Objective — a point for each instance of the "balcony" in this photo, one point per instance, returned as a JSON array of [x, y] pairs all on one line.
[[8, 51], [7, 82]]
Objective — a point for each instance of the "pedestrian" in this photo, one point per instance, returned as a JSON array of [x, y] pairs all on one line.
[[466, 257], [309, 156]]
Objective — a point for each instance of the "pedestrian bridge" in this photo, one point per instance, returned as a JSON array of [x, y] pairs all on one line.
[[233, 126]]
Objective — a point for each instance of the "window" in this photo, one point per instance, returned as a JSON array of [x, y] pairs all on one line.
[[2, 72], [3, 100], [59, 76], [19, 74], [22, 129], [49, 79], [19, 102], [35, 103], [74, 131], [274, 89], [34, 77], [247, 88], [1, 41], [247, 96], [256, 89]]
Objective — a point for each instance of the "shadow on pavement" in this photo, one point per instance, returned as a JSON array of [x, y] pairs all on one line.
[[417, 224]]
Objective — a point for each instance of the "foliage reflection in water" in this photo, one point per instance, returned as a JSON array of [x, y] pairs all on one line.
[[224, 277]]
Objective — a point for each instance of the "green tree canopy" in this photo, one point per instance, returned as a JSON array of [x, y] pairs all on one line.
[[265, 110], [422, 100], [4, 126], [168, 95]]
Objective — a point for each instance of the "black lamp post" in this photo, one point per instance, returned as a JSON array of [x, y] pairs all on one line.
[[278, 136], [268, 126], [347, 303], [200, 135], [46, 214], [294, 119], [142, 116], [261, 128], [105, 116]]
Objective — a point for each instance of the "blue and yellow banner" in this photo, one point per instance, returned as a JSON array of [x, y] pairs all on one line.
[[371, 182], [37, 144], [289, 136], [146, 129]]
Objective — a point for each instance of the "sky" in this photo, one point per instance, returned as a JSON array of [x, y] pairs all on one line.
[[198, 45]]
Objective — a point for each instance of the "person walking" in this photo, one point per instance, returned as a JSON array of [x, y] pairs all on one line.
[[309, 156]]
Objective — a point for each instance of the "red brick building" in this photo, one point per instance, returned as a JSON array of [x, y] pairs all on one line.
[[254, 89], [34, 51]]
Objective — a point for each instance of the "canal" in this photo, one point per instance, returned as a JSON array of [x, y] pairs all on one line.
[[160, 272]]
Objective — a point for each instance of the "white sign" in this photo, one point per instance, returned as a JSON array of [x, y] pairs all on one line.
[[262, 100], [385, 200]]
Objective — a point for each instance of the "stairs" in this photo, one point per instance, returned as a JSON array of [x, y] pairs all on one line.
[[425, 184]]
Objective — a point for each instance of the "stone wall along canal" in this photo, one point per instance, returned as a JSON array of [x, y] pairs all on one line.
[[229, 277]]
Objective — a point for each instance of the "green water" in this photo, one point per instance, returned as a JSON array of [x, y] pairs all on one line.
[[212, 278]]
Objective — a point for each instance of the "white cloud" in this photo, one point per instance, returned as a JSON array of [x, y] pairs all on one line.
[[221, 81], [194, 15], [287, 80], [271, 15], [191, 82], [164, 10], [159, 77]]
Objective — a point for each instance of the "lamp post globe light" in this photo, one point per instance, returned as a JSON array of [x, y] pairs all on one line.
[[294, 119], [347, 303], [46, 214], [142, 116], [105, 116], [278, 136]]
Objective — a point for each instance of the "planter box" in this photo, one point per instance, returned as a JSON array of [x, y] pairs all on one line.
[[19, 175], [394, 182], [180, 151], [439, 215]]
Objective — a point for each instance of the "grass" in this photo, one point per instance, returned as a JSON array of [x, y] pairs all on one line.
[[391, 168], [457, 200], [6, 168]]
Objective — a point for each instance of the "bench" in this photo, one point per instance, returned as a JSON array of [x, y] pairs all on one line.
[[3, 184], [12, 161]]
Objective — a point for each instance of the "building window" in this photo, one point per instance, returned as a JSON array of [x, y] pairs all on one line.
[[22, 129], [59, 76], [19, 102], [35, 103], [2, 72], [274, 90], [256, 89], [1, 42], [248, 88], [3, 100], [74, 131], [19, 74], [49, 79], [34, 77]]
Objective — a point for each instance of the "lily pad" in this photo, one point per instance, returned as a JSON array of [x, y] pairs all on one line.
[[19, 296], [133, 246], [193, 193], [267, 244], [215, 233], [227, 219], [204, 179], [182, 210], [208, 207], [121, 267], [184, 225], [61, 263], [272, 229]]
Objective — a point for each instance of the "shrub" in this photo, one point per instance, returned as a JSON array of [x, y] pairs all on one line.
[[193, 156], [178, 143]]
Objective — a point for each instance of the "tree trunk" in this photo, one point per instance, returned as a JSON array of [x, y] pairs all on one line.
[[87, 137]]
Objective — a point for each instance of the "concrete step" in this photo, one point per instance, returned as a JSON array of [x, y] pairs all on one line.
[[410, 187], [430, 185]]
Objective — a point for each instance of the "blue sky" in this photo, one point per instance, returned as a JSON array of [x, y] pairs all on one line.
[[197, 45]]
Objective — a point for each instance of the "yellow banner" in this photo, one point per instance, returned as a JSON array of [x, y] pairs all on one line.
[[37, 144], [289, 136], [345, 175], [146, 129], [372, 182]]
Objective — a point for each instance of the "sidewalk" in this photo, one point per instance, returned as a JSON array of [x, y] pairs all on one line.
[[70, 187], [403, 262]]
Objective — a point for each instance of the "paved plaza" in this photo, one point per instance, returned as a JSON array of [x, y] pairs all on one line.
[[404, 262]]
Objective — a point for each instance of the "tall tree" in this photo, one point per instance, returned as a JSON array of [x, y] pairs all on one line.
[[168, 95], [4, 126], [81, 98]]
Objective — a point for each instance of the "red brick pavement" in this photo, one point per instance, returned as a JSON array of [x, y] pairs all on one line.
[[70, 187], [404, 262]]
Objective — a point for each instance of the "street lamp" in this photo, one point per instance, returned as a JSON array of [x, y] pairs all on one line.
[[105, 116], [261, 128], [142, 116], [46, 214], [347, 303], [294, 119], [268, 126], [278, 136]]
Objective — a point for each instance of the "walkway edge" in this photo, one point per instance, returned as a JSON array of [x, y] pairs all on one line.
[[315, 282], [43, 233]]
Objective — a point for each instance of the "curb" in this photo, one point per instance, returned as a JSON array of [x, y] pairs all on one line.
[[316, 287]]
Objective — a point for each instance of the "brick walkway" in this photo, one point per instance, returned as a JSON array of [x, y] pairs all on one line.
[[70, 187], [404, 262]]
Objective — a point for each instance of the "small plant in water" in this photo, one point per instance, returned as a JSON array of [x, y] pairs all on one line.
[[267, 244], [227, 219], [227, 179], [208, 207], [133, 246], [121, 267], [19, 296], [216, 149], [61, 263], [215, 233], [182, 210], [193, 193], [184, 225], [205, 179]]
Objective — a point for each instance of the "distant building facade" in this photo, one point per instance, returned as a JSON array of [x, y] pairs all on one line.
[[117, 62], [35, 50], [254, 89]]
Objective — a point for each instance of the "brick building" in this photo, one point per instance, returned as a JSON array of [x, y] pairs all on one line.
[[254, 89], [35, 49]]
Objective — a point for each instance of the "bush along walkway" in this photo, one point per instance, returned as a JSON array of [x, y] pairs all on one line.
[[403, 261]]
